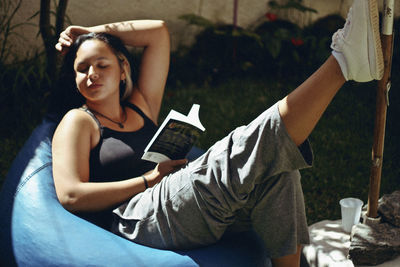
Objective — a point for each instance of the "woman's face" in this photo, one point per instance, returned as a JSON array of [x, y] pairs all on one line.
[[97, 71]]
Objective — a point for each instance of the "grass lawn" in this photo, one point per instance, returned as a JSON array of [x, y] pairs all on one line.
[[341, 142]]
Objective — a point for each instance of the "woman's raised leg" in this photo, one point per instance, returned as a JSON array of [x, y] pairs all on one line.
[[302, 108], [356, 55]]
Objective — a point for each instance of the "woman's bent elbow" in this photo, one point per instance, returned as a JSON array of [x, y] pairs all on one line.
[[68, 201]]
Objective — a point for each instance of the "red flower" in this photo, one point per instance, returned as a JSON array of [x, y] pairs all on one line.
[[271, 16], [170, 94], [297, 42]]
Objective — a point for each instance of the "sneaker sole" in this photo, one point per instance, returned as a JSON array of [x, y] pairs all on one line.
[[374, 17]]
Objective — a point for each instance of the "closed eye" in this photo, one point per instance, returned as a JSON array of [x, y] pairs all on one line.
[[85, 69], [100, 63], [82, 70]]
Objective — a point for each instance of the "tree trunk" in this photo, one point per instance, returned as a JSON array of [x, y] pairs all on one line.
[[50, 37]]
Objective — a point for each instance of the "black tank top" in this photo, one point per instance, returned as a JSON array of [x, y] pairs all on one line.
[[117, 156]]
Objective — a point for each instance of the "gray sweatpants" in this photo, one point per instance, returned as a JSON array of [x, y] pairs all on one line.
[[248, 180]]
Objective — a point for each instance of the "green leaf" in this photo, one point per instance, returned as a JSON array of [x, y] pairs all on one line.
[[274, 47], [291, 4], [193, 19], [282, 34]]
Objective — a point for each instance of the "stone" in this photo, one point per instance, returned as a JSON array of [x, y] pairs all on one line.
[[374, 244], [389, 208]]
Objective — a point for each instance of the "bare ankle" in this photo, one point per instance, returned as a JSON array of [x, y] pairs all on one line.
[[292, 260]]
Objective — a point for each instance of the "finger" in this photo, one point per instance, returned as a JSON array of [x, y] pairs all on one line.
[[59, 47], [66, 43], [62, 49], [65, 39], [66, 36], [179, 161]]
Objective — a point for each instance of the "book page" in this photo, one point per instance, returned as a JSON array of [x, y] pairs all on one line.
[[175, 137]]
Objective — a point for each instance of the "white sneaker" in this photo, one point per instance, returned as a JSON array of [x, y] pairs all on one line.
[[357, 47]]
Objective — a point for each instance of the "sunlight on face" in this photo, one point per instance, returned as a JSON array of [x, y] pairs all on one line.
[[97, 71]]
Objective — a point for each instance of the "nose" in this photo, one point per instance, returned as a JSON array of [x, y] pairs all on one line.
[[92, 74]]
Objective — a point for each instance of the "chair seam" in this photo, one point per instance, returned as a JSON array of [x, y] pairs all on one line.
[[25, 180]]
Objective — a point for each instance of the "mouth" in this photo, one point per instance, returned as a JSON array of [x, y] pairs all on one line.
[[94, 86]]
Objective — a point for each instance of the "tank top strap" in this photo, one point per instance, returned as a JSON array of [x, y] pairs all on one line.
[[84, 108], [138, 110]]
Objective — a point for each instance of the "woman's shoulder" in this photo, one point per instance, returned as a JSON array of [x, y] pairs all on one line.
[[77, 122], [77, 116]]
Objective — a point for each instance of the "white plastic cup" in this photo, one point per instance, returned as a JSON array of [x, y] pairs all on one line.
[[351, 212]]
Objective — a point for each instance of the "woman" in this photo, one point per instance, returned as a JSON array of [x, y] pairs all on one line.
[[249, 179]]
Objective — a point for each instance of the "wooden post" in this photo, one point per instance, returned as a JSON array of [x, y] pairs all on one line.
[[382, 101]]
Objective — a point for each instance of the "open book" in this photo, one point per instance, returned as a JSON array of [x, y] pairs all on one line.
[[175, 137]]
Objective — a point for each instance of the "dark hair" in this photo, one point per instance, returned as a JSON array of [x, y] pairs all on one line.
[[66, 95]]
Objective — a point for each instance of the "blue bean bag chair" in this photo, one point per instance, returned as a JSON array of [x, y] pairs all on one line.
[[35, 230]]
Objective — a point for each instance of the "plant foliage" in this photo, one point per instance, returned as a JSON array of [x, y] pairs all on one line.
[[274, 46], [291, 4], [8, 9]]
